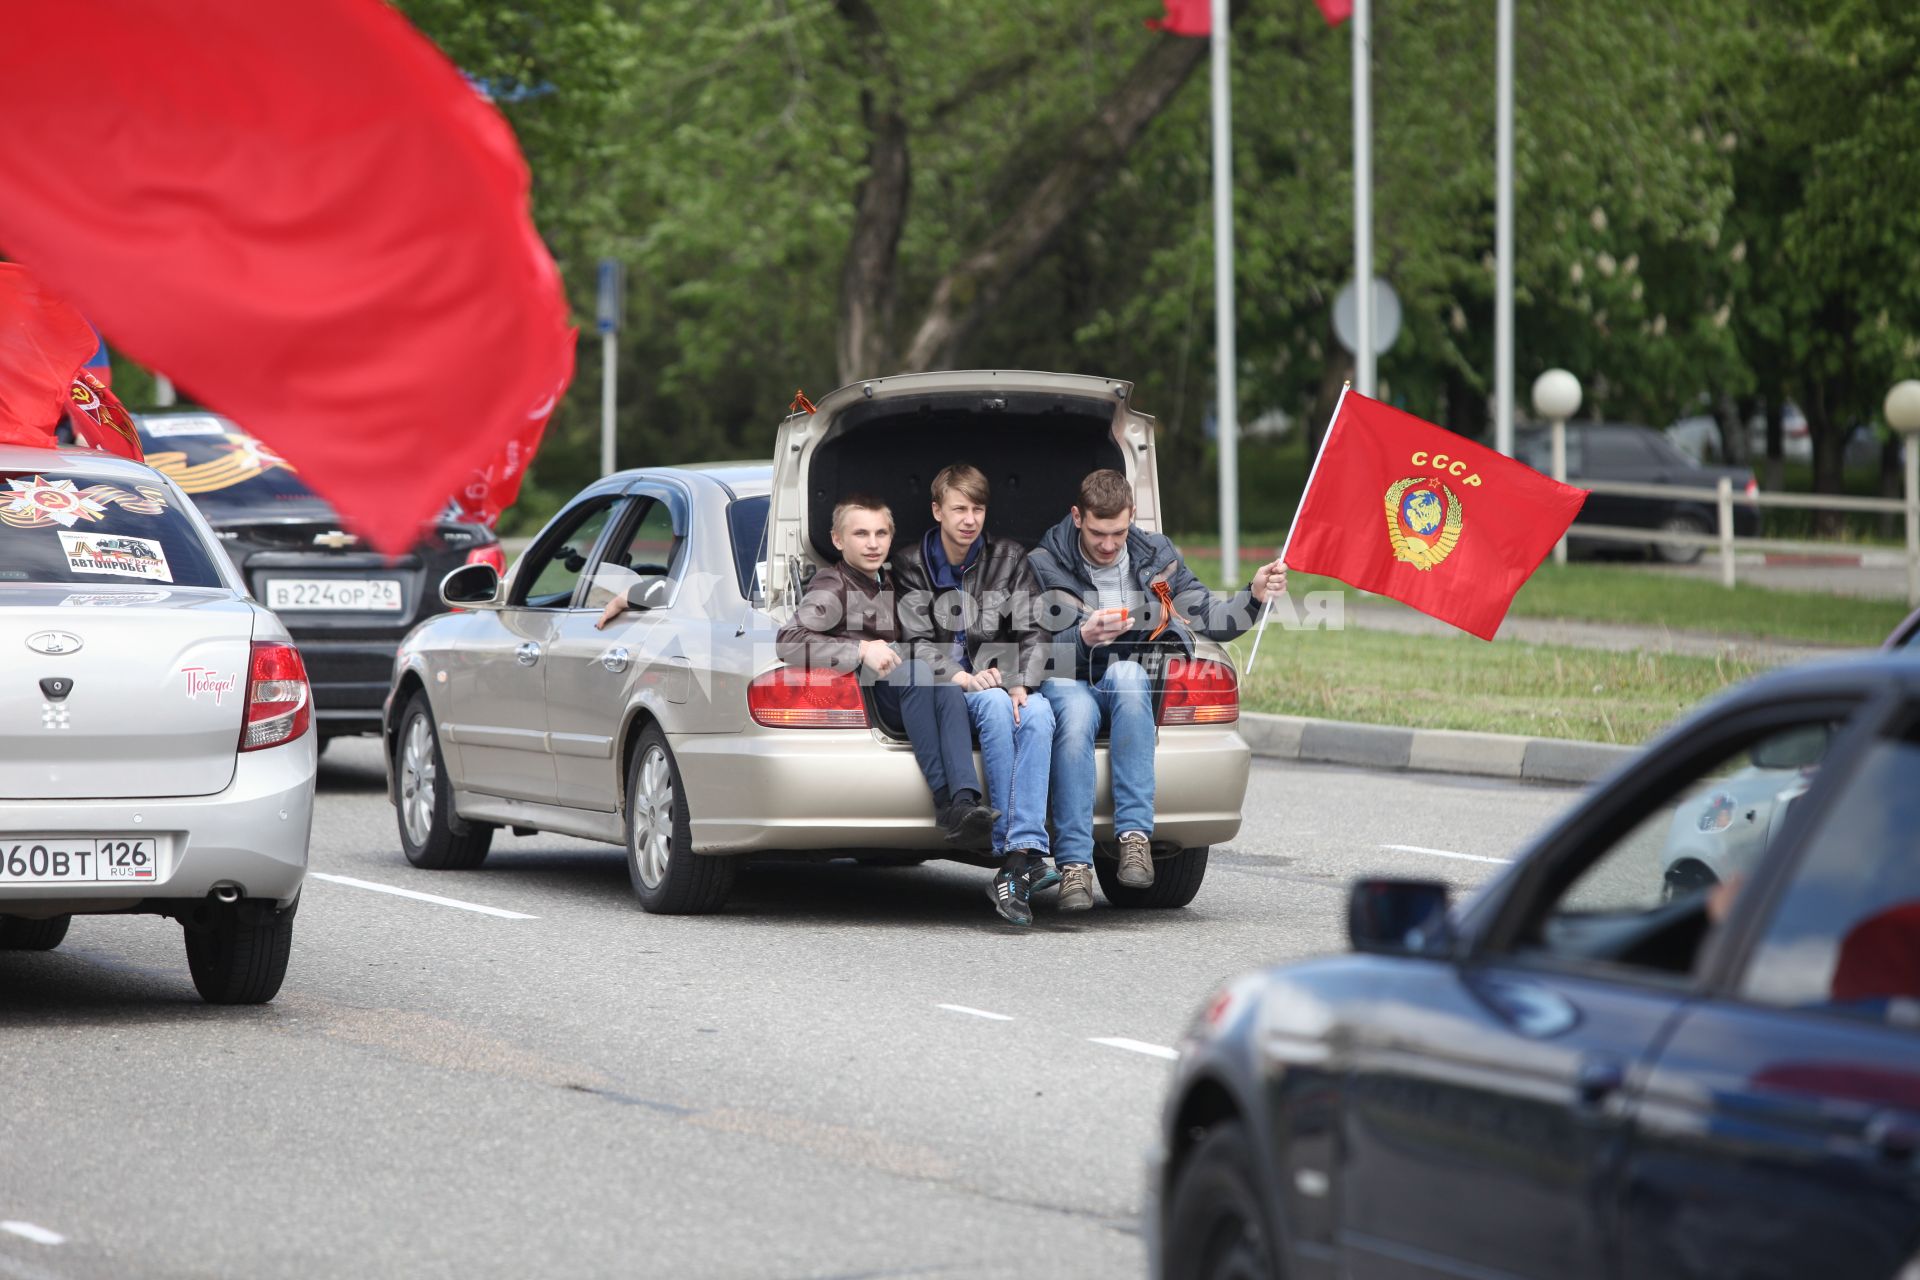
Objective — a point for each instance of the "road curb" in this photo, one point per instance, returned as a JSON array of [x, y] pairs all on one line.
[[1379, 746]]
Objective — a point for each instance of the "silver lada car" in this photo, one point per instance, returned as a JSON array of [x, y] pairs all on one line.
[[156, 753], [677, 732]]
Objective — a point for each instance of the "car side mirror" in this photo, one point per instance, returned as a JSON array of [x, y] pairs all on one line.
[[653, 594], [1397, 917], [471, 586]]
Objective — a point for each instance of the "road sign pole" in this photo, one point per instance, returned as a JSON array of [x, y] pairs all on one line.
[[1227, 409], [608, 382], [610, 303]]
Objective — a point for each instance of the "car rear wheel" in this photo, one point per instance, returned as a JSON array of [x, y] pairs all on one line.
[[668, 876], [240, 955], [431, 834], [1215, 1227], [1175, 881], [1673, 552], [33, 935]]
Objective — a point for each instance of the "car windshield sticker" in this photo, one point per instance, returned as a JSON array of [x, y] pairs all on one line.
[[169, 428], [206, 680], [112, 599], [40, 503], [127, 557], [241, 459]]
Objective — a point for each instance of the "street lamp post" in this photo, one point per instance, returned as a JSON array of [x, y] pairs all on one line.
[[1556, 397], [1903, 415]]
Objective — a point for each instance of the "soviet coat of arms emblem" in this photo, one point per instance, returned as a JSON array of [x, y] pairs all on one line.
[[1423, 521]]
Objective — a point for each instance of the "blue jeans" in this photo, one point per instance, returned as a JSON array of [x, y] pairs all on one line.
[[1122, 702], [1018, 758], [934, 713]]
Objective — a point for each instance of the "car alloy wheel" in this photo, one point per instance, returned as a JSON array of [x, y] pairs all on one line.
[[653, 817], [418, 776]]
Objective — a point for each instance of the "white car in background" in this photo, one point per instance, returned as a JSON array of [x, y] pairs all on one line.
[[156, 746]]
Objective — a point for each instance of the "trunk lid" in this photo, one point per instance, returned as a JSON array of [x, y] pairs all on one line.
[[1035, 435], [155, 695]]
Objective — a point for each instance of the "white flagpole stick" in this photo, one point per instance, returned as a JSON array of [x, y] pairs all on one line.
[[1333, 424], [1226, 413]]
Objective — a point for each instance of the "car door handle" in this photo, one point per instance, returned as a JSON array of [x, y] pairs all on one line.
[[1895, 1137], [527, 654], [616, 659], [1597, 1080]]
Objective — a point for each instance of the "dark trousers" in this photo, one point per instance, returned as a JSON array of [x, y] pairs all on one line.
[[935, 715]]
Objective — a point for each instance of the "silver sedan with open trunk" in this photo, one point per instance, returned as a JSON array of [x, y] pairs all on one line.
[[677, 732]]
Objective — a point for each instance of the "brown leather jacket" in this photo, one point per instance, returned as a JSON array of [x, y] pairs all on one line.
[[841, 608]]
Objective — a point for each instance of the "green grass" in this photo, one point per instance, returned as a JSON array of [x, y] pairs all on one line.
[[1630, 595], [1458, 682]]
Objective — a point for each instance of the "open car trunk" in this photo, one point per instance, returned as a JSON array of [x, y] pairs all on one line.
[[1035, 435]]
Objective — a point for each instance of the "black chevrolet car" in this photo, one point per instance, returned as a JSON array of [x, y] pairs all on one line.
[[1580, 1073], [347, 606]]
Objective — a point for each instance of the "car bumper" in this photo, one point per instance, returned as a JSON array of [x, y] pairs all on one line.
[[349, 679], [813, 789], [253, 835]]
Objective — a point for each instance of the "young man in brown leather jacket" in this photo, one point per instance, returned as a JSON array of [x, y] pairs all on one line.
[[847, 621]]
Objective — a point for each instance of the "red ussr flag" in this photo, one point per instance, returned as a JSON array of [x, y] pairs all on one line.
[[1406, 509], [1185, 18], [305, 216]]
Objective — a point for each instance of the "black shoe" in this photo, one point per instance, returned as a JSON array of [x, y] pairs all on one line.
[[1011, 888], [1043, 874], [969, 823]]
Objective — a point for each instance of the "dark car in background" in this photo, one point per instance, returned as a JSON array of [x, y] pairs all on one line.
[[1621, 451], [1580, 1073], [346, 605]]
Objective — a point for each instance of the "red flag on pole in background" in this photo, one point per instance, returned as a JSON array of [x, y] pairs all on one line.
[[1403, 508], [306, 217], [1185, 18], [1335, 11]]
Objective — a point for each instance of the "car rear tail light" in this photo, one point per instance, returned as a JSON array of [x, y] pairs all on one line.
[[279, 703], [489, 554], [801, 698], [1200, 691]]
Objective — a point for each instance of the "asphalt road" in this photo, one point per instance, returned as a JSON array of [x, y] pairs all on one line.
[[852, 1072]]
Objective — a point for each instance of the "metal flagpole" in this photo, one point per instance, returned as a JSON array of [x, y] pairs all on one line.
[[1312, 471], [1503, 236], [1363, 194], [1226, 412]]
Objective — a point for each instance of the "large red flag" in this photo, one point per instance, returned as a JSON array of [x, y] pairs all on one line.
[[43, 342], [305, 216], [1185, 18], [1403, 508]]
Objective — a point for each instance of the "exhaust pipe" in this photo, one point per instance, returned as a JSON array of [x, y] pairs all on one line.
[[227, 893]]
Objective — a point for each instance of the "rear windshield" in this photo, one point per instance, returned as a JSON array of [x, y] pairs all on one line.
[[223, 469], [61, 527]]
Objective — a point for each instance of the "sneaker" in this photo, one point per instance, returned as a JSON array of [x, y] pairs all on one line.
[[1011, 889], [1076, 887], [1045, 874], [1136, 860], [969, 823]]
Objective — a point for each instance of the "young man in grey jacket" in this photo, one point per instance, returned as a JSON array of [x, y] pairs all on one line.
[[1133, 593]]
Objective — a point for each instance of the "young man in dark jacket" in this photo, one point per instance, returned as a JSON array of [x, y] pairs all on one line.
[[848, 621], [1132, 591], [968, 602]]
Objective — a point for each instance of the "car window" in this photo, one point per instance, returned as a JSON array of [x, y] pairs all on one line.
[[554, 566], [1609, 451], [67, 527], [646, 547], [1646, 899], [1844, 936], [223, 469], [1666, 452], [747, 523]]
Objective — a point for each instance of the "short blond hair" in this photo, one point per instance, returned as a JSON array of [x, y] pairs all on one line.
[[969, 480], [859, 502]]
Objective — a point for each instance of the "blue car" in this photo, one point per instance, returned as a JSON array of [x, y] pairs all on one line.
[[1581, 1072]]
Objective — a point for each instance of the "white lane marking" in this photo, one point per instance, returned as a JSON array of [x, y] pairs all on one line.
[[975, 1013], [422, 897], [1136, 1046], [1445, 853], [37, 1234]]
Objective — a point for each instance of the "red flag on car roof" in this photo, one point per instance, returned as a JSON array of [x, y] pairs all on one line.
[[46, 373], [306, 217], [1403, 508], [1185, 18]]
